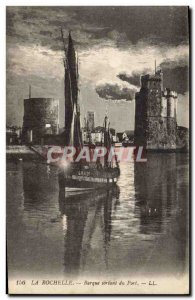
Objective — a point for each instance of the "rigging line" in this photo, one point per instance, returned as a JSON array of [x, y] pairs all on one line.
[[77, 106], [77, 61], [74, 107], [77, 79], [79, 130], [79, 133], [72, 128], [78, 86]]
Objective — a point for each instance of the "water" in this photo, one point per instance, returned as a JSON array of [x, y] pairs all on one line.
[[139, 228]]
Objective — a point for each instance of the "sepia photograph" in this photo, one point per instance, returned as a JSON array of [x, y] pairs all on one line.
[[97, 150]]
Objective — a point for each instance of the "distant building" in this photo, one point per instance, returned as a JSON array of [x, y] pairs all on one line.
[[112, 131], [85, 136], [90, 120], [41, 118], [119, 136], [13, 135], [155, 114], [97, 135], [113, 135]]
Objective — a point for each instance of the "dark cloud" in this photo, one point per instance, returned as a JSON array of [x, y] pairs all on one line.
[[176, 75], [37, 25], [134, 78], [168, 25], [115, 92], [46, 32], [95, 25], [171, 64], [177, 79], [122, 27]]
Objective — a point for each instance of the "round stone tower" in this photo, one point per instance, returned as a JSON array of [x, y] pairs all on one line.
[[41, 117]]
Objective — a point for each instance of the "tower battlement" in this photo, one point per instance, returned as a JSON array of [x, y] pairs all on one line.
[[152, 80], [168, 93]]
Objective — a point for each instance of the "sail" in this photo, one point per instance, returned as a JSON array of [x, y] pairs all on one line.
[[73, 135]]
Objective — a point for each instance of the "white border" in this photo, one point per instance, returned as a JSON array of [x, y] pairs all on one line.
[[3, 5]]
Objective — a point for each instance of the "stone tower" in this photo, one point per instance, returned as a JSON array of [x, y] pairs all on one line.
[[91, 120], [155, 114], [41, 117]]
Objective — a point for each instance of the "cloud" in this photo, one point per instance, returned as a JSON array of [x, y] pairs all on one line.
[[121, 26], [179, 61], [37, 61], [176, 74], [134, 78], [115, 92], [46, 32], [138, 23], [110, 41]]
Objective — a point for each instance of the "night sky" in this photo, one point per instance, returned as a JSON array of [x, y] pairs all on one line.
[[115, 45]]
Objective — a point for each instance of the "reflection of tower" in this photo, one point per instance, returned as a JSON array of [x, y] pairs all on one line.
[[84, 214], [39, 185], [161, 205], [155, 185]]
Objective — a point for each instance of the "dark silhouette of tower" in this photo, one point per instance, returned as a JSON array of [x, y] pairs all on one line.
[[155, 114]]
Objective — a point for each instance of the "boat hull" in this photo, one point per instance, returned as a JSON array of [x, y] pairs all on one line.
[[88, 183], [90, 179]]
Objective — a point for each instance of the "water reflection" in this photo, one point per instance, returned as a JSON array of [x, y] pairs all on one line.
[[83, 215], [155, 191], [39, 183], [139, 228]]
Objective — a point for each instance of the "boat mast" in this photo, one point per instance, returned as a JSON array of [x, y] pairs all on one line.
[[78, 106], [107, 143]]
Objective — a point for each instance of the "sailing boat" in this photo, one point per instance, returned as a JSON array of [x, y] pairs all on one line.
[[82, 176]]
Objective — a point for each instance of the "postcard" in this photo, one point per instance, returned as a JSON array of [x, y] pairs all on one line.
[[97, 150]]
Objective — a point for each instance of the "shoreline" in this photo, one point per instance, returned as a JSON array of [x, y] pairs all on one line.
[[23, 152]]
